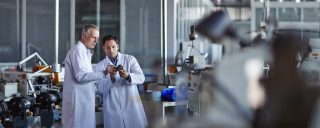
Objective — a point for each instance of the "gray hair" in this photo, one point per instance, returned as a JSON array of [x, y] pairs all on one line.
[[86, 28]]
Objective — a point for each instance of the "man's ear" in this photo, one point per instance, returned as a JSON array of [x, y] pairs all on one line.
[[83, 36]]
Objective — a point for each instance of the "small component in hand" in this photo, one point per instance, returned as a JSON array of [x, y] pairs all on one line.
[[119, 67]]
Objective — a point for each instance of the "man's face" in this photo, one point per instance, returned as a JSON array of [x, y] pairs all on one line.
[[90, 39], [111, 48]]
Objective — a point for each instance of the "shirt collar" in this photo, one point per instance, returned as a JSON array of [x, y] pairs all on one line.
[[116, 59], [89, 51]]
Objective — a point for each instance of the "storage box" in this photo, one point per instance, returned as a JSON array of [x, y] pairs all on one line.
[[9, 89]]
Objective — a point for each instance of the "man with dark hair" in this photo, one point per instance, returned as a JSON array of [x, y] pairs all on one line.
[[122, 106], [78, 98]]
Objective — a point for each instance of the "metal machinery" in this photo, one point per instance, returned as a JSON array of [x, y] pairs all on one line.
[[200, 92], [48, 113], [19, 114], [30, 97], [194, 95], [192, 78]]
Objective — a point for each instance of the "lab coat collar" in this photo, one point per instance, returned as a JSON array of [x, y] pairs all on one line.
[[81, 44]]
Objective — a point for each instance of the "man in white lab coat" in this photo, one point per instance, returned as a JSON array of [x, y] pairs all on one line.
[[78, 97], [122, 106]]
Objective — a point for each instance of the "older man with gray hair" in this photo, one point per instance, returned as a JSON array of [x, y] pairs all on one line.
[[78, 99]]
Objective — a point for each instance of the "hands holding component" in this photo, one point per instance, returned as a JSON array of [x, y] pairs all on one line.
[[112, 70]]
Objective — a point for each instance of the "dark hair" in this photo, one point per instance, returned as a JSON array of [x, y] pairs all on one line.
[[110, 37]]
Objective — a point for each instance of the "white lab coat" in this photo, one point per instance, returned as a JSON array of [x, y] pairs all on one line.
[[122, 106], [78, 97]]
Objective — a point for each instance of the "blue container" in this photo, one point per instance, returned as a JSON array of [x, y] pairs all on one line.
[[168, 94]]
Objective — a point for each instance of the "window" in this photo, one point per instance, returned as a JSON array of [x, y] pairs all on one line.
[[143, 31], [40, 29], [10, 42], [103, 13]]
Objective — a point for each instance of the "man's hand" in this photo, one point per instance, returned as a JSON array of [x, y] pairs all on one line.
[[112, 71], [124, 74], [105, 72]]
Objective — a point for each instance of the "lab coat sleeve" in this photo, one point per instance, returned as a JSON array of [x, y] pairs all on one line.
[[79, 67], [136, 74], [104, 85]]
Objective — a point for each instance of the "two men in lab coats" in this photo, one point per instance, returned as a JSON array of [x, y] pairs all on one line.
[[78, 97], [122, 106]]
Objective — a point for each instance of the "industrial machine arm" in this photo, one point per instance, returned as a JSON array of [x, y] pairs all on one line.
[[30, 57]]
